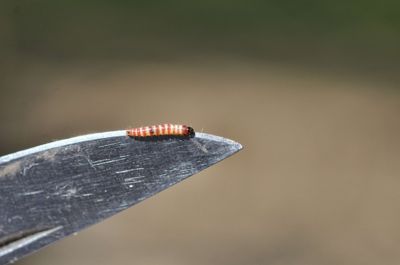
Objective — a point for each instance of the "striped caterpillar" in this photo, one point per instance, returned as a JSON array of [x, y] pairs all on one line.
[[174, 130]]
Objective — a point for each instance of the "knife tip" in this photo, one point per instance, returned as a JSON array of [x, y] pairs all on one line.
[[233, 145]]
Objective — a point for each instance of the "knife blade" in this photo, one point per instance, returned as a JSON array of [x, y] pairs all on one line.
[[54, 190]]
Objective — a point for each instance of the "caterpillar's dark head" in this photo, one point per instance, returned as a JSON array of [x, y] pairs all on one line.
[[191, 132]]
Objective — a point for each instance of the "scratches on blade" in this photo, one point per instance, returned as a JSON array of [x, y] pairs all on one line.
[[22, 239]]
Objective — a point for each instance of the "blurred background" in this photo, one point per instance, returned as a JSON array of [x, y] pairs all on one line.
[[310, 88]]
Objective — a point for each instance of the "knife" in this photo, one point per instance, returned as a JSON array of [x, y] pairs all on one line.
[[54, 190]]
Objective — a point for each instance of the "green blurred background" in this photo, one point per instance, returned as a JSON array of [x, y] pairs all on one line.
[[310, 88]]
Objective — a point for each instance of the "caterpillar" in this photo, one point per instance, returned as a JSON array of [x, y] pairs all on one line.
[[172, 130]]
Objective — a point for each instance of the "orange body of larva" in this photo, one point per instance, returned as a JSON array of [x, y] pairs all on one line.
[[161, 130]]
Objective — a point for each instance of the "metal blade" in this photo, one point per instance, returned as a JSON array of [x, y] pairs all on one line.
[[51, 191]]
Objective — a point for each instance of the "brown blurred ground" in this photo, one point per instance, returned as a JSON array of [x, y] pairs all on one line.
[[317, 182]]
